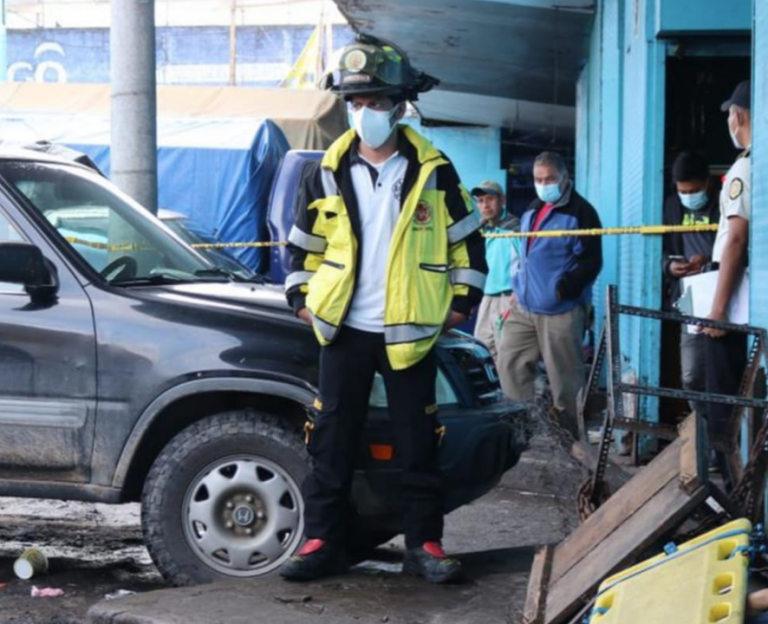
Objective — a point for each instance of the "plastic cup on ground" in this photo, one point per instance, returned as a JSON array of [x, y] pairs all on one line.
[[32, 562]]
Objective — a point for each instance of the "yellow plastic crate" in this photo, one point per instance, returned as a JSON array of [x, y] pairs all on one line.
[[703, 582]]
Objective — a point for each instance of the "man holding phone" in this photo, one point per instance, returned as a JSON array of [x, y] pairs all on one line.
[[694, 202]]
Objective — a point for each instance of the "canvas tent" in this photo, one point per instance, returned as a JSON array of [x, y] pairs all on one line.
[[218, 147]]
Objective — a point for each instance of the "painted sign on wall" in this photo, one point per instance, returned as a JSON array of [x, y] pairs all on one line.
[[191, 56]]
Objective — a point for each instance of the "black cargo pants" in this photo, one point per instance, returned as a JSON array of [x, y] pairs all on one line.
[[347, 369]]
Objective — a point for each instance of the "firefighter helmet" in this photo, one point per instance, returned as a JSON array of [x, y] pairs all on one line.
[[376, 66]]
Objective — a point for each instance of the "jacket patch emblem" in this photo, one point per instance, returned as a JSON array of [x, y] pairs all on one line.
[[736, 188], [422, 217], [397, 189]]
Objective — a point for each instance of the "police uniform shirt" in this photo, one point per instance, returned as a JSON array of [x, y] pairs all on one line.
[[735, 200]]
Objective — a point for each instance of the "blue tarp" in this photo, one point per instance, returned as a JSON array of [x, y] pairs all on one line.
[[224, 191]]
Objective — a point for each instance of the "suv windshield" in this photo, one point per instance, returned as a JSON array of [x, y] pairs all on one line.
[[112, 233]]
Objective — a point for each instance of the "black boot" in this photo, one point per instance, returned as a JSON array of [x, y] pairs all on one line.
[[315, 560], [431, 562]]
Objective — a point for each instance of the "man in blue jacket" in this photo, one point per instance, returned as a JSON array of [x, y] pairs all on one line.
[[552, 293]]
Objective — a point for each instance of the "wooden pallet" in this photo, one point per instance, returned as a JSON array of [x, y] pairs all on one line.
[[647, 509]]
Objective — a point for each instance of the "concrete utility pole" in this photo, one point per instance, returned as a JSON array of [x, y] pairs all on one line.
[[133, 151]]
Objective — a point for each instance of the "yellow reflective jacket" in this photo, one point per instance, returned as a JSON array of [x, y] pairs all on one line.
[[436, 257]]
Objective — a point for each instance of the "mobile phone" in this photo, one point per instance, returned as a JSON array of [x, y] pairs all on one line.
[[678, 258]]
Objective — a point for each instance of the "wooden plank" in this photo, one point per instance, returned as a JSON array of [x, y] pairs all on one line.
[[536, 599], [622, 505], [694, 453], [659, 517]]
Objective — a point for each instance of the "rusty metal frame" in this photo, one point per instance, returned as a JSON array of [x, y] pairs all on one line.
[[609, 348]]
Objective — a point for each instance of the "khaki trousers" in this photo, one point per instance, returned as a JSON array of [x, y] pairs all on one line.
[[527, 338], [486, 326]]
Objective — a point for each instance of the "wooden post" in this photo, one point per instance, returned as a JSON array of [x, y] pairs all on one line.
[[536, 599]]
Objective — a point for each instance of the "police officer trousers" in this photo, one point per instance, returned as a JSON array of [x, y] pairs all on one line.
[[347, 369], [726, 361]]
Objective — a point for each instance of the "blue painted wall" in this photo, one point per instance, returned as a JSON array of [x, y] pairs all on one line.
[[185, 55], [611, 114], [703, 16], [621, 168], [475, 152], [759, 223]]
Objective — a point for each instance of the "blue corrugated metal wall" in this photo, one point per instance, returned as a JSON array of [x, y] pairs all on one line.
[[598, 155], [642, 179], [583, 105], [611, 114], [621, 169], [759, 232]]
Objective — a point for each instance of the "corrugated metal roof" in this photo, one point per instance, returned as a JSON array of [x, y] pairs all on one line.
[[524, 51]]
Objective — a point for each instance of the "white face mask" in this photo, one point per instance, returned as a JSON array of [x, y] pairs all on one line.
[[694, 201], [373, 127], [736, 143], [548, 193]]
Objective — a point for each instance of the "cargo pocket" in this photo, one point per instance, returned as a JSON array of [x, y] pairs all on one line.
[[432, 291], [324, 286]]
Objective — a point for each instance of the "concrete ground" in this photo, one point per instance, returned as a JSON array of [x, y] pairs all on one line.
[[96, 550], [495, 539]]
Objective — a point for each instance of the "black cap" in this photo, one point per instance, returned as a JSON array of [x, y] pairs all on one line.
[[742, 96]]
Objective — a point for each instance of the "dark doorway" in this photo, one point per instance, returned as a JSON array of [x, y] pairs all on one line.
[[700, 75]]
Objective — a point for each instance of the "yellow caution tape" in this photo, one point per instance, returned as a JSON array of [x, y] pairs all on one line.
[[135, 246], [94, 245], [646, 230], [637, 229], [238, 245]]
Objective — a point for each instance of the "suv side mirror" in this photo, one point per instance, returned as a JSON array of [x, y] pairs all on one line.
[[22, 263]]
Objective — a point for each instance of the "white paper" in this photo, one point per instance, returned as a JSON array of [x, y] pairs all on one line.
[[699, 294]]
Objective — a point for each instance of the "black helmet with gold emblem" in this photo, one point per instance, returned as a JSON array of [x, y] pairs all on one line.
[[376, 66]]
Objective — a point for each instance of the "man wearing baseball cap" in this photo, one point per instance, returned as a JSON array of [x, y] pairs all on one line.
[[726, 353], [500, 254]]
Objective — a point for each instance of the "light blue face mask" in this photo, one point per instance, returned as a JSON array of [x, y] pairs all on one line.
[[549, 193], [693, 201]]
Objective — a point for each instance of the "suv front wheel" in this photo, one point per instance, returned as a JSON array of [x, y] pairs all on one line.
[[223, 499]]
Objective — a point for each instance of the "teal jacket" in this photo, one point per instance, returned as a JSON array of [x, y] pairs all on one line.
[[500, 254]]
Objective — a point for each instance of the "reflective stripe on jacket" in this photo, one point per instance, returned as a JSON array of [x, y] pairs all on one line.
[[436, 257]]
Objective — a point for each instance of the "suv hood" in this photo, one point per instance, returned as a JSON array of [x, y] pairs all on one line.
[[262, 295]]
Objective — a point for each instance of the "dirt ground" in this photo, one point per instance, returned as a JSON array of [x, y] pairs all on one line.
[[95, 550]]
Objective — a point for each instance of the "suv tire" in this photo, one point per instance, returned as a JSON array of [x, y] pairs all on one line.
[[223, 499]]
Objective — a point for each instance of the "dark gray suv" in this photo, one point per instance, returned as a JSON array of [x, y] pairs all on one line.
[[131, 368]]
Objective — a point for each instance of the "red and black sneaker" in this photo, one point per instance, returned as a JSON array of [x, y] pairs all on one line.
[[431, 562], [316, 559]]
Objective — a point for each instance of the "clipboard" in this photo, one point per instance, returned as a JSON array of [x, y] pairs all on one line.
[[699, 294]]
